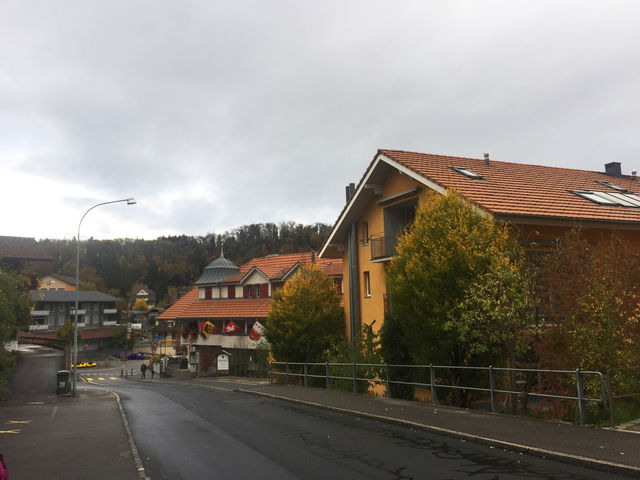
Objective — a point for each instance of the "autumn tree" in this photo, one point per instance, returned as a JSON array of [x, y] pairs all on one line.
[[306, 318], [141, 304], [451, 261], [590, 298], [65, 333]]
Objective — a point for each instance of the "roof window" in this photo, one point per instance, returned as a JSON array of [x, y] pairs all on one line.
[[611, 185], [467, 173], [610, 198]]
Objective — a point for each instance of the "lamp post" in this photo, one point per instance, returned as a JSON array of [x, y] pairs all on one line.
[[129, 201]]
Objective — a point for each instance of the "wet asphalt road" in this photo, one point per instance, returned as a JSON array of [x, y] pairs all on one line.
[[185, 431]]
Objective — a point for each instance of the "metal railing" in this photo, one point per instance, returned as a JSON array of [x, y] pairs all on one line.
[[383, 247], [435, 378]]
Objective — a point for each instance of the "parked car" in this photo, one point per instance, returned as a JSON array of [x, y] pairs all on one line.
[[135, 356]]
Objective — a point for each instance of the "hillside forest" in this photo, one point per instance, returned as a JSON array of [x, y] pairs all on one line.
[[170, 265]]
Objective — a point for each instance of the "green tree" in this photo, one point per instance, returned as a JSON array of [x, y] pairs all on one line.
[[306, 318], [122, 338], [14, 305], [497, 313], [449, 246]]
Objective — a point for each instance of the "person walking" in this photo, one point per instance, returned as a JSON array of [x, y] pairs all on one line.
[[152, 371], [143, 369]]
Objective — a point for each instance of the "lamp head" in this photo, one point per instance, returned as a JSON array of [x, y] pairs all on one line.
[[131, 201]]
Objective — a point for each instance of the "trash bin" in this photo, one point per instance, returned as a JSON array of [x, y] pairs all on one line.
[[64, 383]]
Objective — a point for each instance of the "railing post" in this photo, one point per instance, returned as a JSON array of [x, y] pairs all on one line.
[[355, 386], [580, 396], [121, 373], [326, 374], [388, 381], [132, 371], [304, 374], [492, 386], [286, 373], [610, 395], [432, 375]]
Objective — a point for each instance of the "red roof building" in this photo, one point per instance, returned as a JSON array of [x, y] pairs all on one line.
[[228, 306]]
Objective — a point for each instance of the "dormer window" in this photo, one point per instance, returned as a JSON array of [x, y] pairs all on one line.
[[611, 199], [467, 173], [611, 185]]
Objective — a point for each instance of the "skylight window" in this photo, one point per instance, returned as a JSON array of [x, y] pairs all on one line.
[[610, 198], [611, 185], [467, 173]]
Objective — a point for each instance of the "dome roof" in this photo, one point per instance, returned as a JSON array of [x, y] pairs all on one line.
[[218, 270]]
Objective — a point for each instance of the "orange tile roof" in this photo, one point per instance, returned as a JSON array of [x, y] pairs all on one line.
[[274, 267], [521, 189], [277, 266], [190, 307], [334, 268]]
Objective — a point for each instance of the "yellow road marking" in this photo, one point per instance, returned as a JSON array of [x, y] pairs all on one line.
[[10, 431], [90, 379], [35, 403], [113, 378], [100, 378], [19, 421]]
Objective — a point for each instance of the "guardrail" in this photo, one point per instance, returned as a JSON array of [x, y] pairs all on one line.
[[435, 379]]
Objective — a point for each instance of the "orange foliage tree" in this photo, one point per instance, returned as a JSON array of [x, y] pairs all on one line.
[[590, 296]]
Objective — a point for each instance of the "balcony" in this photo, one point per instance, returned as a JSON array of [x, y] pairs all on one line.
[[111, 323], [108, 311], [383, 248], [39, 313], [35, 328]]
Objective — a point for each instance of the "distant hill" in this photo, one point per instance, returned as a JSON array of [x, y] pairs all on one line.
[[168, 263]]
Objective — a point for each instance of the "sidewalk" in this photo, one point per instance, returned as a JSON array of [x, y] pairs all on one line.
[[601, 448], [43, 435]]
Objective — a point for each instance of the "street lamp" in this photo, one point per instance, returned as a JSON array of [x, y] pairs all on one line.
[[129, 201]]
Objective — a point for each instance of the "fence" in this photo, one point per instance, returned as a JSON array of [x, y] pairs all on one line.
[[518, 387]]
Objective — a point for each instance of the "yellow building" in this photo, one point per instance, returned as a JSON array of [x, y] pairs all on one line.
[[542, 203]]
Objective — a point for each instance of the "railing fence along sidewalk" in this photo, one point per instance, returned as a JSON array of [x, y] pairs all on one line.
[[589, 386]]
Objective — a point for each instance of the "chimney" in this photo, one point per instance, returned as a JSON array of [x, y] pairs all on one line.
[[613, 169], [350, 190], [486, 159], [634, 175]]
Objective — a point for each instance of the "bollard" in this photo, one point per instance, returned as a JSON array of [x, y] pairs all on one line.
[[388, 381], [434, 394], [305, 374], [492, 386], [580, 389], [326, 374], [355, 376], [121, 373]]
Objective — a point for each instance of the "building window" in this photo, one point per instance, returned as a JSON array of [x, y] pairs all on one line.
[[207, 293], [231, 291], [256, 291], [365, 233], [337, 283], [367, 285]]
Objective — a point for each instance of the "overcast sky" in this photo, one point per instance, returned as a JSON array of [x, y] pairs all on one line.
[[219, 114]]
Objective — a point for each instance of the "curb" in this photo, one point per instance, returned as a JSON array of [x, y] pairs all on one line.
[[602, 465], [134, 450]]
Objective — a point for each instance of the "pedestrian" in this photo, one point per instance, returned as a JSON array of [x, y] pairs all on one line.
[[4, 472], [152, 371], [143, 369]]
